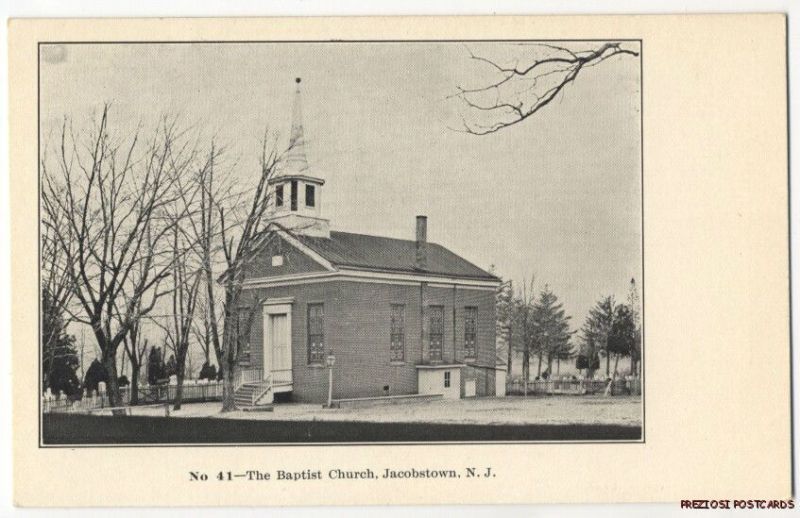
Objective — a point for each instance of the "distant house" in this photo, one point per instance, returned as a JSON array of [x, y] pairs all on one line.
[[401, 316]]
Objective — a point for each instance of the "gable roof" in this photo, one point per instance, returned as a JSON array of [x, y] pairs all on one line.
[[362, 251]]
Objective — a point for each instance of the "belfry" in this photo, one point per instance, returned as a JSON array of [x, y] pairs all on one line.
[[296, 191]]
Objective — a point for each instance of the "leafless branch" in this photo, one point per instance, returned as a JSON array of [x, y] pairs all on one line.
[[539, 82]]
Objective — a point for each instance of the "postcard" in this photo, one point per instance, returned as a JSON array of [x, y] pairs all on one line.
[[400, 260]]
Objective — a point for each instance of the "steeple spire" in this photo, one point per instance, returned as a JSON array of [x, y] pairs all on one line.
[[296, 192], [296, 161]]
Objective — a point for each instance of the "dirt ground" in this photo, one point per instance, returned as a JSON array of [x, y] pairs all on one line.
[[510, 410]]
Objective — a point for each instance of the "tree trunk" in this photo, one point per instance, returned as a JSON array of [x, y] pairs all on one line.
[[179, 391], [510, 358], [230, 346], [558, 365], [51, 352], [608, 363], [110, 364], [539, 370], [616, 363], [228, 403], [135, 368], [526, 369]]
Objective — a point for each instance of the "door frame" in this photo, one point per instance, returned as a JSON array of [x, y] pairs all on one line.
[[275, 307]]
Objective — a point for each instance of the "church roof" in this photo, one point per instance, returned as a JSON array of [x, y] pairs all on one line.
[[378, 253]]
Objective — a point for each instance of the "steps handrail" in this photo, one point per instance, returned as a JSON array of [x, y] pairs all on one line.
[[262, 387], [244, 376]]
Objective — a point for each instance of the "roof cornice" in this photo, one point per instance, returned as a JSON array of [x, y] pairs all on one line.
[[367, 276]]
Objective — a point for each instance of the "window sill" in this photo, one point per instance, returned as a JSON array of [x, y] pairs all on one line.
[[397, 363], [470, 359], [315, 366]]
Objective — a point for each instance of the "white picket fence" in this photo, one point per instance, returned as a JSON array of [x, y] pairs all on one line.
[[193, 391], [620, 386]]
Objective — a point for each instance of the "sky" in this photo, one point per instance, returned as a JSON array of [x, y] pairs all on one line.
[[556, 197]]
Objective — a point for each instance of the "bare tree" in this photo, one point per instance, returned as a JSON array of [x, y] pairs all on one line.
[[526, 335], [211, 196], [201, 328], [521, 90], [184, 299], [136, 351], [56, 292], [228, 232], [187, 274], [505, 311], [635, 307], [107, 194]]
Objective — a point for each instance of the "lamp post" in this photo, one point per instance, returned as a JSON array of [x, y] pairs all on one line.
[[330, 360]]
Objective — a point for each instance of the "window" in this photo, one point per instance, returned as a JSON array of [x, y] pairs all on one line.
[[279, 196], [243, 325], [446, 379], [397, 330], [277, 260], [436, 332], [309, 195], [293, 194], [470, 328], [316, 334]]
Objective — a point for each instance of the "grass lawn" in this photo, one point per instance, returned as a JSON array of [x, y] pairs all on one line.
[[556, 418]]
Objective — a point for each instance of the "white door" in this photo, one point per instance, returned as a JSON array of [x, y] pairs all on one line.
[[281, 357], [469, 388]]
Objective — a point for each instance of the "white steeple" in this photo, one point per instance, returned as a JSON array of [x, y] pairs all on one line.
[[296, 192], [296, 161]]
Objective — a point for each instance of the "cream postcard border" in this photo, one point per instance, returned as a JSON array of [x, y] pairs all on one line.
[[716, 269]]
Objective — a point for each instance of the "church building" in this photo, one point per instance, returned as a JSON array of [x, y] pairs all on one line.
[[396, 317]]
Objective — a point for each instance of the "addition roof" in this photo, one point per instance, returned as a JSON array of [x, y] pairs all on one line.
[[362, 251]]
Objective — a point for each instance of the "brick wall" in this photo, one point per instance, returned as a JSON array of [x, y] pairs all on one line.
[[357, 328]]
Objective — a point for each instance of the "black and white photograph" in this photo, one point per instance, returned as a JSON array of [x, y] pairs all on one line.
[[329, 242], [311, 264]]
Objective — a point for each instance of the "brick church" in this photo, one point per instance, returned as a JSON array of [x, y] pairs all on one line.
[[398, 316]]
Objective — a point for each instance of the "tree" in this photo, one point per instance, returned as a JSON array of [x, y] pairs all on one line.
[[234, 234], [62, 367], [103, 197], [135, 349], [156, 369], [211, 219], [186, 249], [505, 312], [533, 81], [201, 330], [524, 335], [582, 362], [186, 278], [622, 337], [595, 333], [95, 374], [564, 350], [56, 292], [59, 355], [551, 329], [635, 307]]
